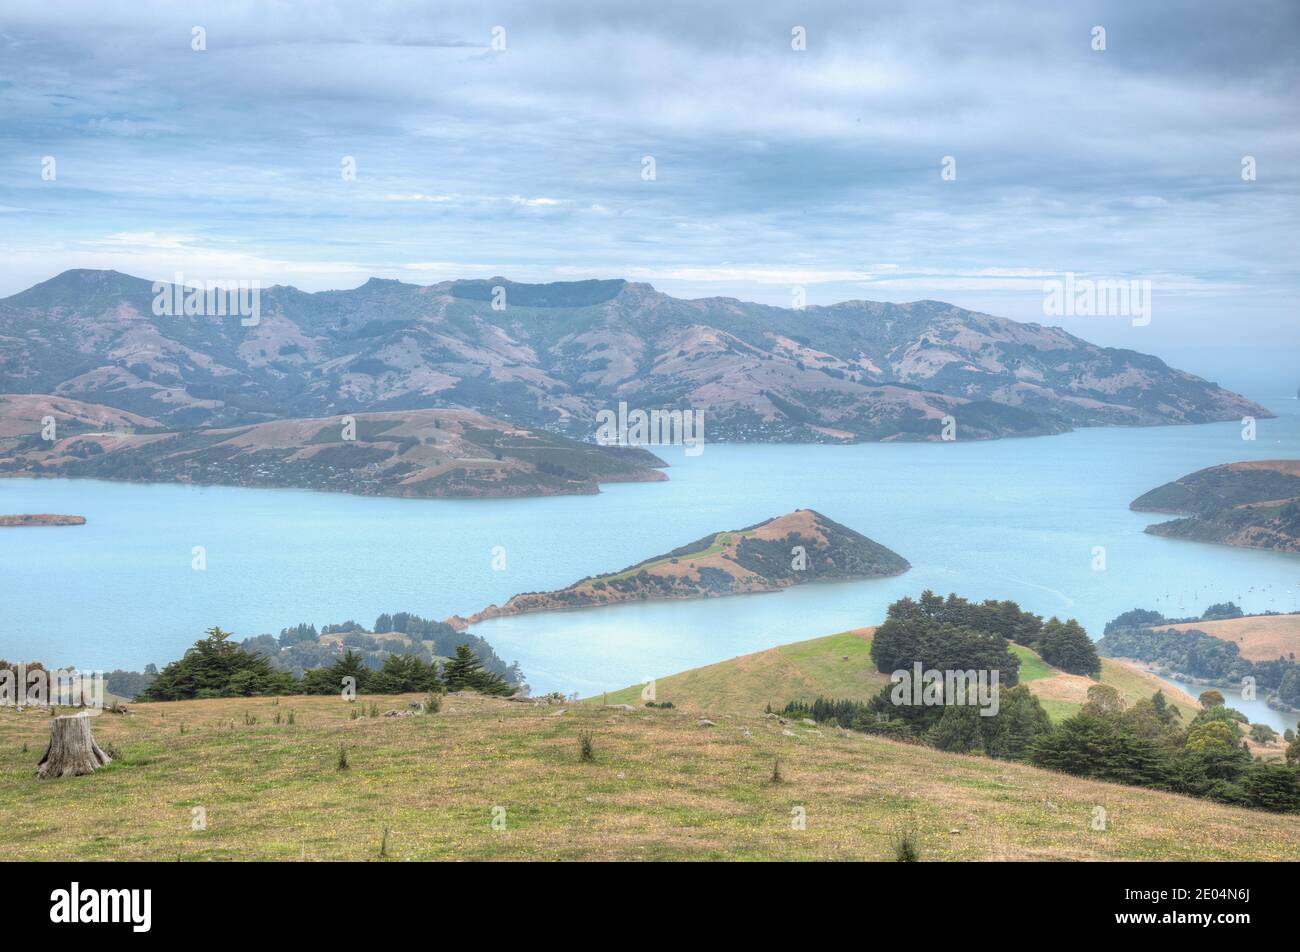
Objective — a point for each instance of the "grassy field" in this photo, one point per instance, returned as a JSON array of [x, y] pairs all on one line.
[[1258, 637], [839, 666], [836, 666], [1062, 695], [1032, 667], [661, 786], [719, 544]]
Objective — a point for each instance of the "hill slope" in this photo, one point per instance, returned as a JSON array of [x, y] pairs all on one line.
[[22, 414], [837, 666], [557, 354], [761, 558], [444, 453], [840, 666], [661, 787], [1257, 637], [1254, 504]]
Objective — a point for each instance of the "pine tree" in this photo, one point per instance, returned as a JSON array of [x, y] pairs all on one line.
[[216, 667], [458, 670], [958, 730], [1067, 646], [1020, 721], [1273, 787], [465, 672]]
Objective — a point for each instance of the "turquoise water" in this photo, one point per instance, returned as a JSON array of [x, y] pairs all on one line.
[[1255, 709], [1007, 519]]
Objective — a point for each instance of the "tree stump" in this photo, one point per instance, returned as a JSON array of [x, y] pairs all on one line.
[[72, 751]]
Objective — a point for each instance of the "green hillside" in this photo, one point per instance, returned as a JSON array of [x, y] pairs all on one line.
[[840, 666], [834, 666]]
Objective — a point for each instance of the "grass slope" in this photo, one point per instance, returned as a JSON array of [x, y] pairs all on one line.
[[839, 666], [661, 787], [1257, 637]]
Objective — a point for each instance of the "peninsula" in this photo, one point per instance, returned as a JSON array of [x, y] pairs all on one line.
[[801, 546]]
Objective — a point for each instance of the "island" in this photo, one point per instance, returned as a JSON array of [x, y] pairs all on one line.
[[41, 519], [799, 547], [1253, 504], [437, 453]]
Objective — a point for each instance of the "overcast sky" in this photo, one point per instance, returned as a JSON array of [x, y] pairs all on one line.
[[774, 167]]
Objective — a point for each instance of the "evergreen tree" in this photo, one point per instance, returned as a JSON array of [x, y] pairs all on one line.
[[330, 680], [1099, 747], [404, 673], [464, 671], [958, 730], [1273, 787], [900, 643], [1019, 723], [216, 667], [1066, 645], [1220, 611]]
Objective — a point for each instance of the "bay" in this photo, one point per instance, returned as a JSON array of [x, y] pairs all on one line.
[[1017, 519]]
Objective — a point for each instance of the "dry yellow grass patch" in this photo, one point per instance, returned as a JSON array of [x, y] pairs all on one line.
[[1257, 637]]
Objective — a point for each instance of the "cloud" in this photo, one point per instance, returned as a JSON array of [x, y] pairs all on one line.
[[774, 167], [416, 197]]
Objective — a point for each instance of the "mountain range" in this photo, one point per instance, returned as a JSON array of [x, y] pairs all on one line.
[[553, 356]]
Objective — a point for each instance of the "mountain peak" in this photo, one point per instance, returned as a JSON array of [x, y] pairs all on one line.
[[79, 285]]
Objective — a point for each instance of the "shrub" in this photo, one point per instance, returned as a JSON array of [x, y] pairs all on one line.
[[907, 848]]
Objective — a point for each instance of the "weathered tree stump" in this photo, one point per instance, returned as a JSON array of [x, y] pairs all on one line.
[[72, 751]]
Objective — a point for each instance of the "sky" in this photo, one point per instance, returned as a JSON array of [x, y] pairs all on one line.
[[512, 139]]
